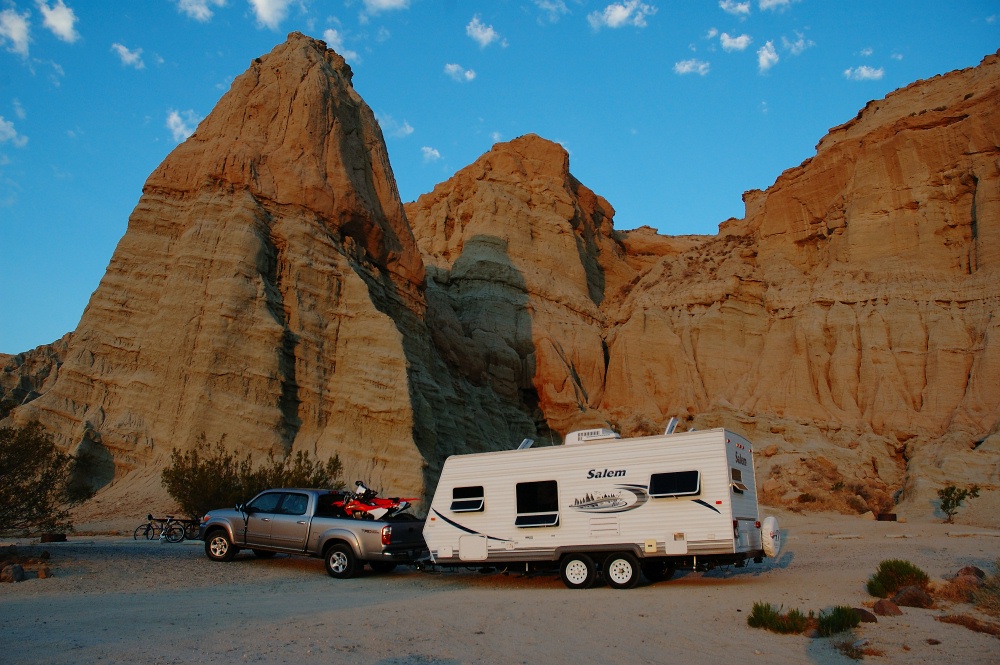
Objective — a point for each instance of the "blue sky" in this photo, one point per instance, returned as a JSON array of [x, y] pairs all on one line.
[[670, 110]]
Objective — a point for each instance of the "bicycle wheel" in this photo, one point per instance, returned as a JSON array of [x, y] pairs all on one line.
[[174, 533], [143, 532], [191, 530]]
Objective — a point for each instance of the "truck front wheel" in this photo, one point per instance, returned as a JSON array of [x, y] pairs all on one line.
[[219, 547], [340, 561]]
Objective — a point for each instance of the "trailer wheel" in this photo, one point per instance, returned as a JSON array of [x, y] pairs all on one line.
[[656, 570], [578, 571], [621, 570]]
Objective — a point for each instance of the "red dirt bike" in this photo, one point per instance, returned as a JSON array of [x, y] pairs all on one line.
[[365, 504]]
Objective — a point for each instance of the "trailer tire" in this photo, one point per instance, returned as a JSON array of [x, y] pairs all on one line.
[[657, 570], [340, 561], [770, 536], [578, 571], [621, 570]]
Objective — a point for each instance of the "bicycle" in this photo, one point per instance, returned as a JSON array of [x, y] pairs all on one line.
[[163, 528]]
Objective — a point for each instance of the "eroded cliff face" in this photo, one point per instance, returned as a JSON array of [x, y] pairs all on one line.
[[240, 292], [845, 324], [271, 289]]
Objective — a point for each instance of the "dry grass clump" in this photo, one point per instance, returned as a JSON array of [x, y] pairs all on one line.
[[987, 597], [958, 590], [972, 623], [857, 651]]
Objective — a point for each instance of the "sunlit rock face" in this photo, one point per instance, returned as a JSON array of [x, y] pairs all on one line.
[[273, 292]]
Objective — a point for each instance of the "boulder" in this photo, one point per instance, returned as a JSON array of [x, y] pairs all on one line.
[[913, 596], [886, 608]]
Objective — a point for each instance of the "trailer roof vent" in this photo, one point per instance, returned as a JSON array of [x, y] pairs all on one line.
[[587, 435]]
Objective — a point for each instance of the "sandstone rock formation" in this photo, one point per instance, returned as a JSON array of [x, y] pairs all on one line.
[[272, 289]]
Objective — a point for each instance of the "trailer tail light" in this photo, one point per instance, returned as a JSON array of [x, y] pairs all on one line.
[[386, 535], [756, 524]]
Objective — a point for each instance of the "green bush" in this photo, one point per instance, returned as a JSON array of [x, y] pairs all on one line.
[[952, 498], [841, 618], [35, 482], [202, 478], [765, 615], [894, 574]]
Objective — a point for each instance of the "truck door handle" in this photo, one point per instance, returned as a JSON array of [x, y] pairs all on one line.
[[301, 522], [265, 519]]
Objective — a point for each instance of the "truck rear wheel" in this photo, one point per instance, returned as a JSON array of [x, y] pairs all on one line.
[[621, 570], [578, 571], [218, 546], [340, 561]]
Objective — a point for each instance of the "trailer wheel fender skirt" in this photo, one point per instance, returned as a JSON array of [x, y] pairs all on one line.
[[770, 536]]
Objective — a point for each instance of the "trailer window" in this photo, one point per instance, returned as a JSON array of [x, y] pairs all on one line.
[[675, 483], [468, 499], [736, 476], [537, 504]]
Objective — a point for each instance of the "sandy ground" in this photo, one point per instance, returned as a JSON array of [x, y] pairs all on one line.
[[114, 600]]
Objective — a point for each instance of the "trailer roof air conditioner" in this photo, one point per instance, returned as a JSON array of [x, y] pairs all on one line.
[[587, 435]]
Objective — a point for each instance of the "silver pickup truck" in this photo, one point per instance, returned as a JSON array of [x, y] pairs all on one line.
[[309, 522]]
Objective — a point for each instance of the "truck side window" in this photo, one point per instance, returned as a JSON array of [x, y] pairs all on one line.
[[294, 504], [537, 504], [267, 503], [468, 499], [675, 483]]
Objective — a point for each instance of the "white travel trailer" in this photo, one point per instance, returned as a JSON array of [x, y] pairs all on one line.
[[600, 504]]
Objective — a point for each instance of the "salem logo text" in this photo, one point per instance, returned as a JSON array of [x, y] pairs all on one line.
[[606, 473]]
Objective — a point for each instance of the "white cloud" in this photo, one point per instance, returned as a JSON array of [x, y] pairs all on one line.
[[867, 52], [864, 73], [496, 137], [482, 34], [619, 14], [430, 154], [376, 6], [779, 5], [459, 73], [19, 110], [896, 56], [799, 45], [59, 19], [735, 8], [270, 13], [182, 123], [199, 10], [15, 29], [767, 57], [712, 33], [129, 58], [335, 41], [734, 43], [553, 9], [8, 133], [692, 67], [391, 127]]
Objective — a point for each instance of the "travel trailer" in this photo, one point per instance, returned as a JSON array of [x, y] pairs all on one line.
[[603, 505]]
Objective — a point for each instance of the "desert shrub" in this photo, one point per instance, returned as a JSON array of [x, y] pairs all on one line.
[[204, 478], [837, 486], [952, 498], [894, 574], [806, 497], [987, 597], [841, 618], [35, 488], [765, 615]]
